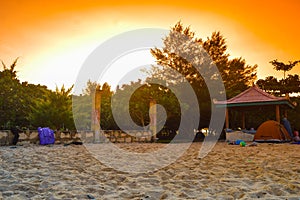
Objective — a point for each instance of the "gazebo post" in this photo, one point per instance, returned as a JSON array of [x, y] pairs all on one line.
[[277, 113], [227, 118]]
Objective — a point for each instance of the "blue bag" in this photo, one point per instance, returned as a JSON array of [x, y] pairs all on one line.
[[46, 136]]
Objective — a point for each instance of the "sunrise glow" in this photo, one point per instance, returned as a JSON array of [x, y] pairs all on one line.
[[54, 38]]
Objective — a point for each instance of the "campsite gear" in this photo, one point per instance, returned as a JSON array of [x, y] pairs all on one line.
[[239, 135], [271, 131], [46, 136], [242, 144], [238, 142]]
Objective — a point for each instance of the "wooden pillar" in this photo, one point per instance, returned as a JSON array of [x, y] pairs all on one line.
[[277, 113], [227, 118], [243, 120], [153, 119]]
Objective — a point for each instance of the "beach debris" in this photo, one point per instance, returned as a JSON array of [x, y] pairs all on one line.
[[146, 197], [253, 144], [73, 142], [90, 196]]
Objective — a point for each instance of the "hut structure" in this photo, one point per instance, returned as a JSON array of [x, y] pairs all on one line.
[[253, 98]]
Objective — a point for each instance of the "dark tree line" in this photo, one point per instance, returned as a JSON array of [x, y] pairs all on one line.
[[287, 85], [29, 106]]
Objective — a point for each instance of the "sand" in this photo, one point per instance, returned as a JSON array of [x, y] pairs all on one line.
[[266, 171]]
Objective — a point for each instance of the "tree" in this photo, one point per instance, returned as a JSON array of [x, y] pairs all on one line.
[[56, 111], [181, 43], [216, 47], [11, 98], [291, 84], [184, 55], [141, 93], [107, 119], [131, 98], [270, 85], [238, 76], [280, 66], [287, 85], [82, 107]]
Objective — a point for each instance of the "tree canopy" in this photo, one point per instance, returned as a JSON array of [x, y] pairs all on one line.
[[28, 105], [280, 66], [179, 57], [187, 58], [287, 85]]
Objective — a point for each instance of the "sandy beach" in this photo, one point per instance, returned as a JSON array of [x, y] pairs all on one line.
[[266, 171]]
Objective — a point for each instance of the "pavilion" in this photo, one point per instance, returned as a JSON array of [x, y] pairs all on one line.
[[252, 98]]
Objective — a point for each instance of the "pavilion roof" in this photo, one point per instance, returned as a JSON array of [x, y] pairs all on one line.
[[254, 96]]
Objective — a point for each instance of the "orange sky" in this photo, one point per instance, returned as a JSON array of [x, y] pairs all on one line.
[[53, 38]]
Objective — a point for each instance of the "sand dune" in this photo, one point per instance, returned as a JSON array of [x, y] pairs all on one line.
[[267, 171]]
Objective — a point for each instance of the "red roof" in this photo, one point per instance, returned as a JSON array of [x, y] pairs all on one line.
[[254, 96]]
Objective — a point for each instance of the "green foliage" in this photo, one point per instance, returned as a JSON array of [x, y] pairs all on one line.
[[141, 93], [29, 105], [181, 44], [270, 85], [288, 85], [181, 59], [55, 111], [10, 96], [107, 120], [82, 107], [238, 76]]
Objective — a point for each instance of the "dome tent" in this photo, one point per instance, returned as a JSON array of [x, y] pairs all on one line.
[[271, 131]]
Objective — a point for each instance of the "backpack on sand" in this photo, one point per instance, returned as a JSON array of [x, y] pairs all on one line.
[[46, 136]]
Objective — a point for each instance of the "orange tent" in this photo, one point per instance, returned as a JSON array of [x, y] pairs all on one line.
[[271, 131]]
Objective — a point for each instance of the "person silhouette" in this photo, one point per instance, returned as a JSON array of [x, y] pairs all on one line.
[[296, 137], [287, 126], [15, 131]]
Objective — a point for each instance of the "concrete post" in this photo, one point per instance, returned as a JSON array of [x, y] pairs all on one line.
[[153, 119], [96, 114]]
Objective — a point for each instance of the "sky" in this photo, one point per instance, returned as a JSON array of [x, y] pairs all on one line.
[[53, 38]]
